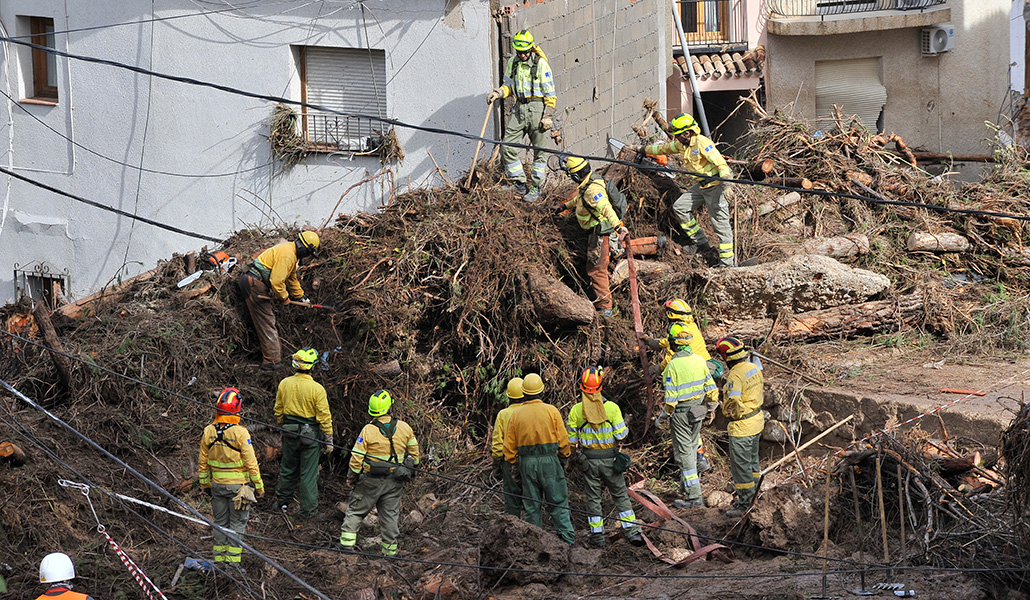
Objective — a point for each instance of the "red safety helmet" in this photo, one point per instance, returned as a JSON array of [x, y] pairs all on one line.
[[229, 401], [590, 381], [730, 348]]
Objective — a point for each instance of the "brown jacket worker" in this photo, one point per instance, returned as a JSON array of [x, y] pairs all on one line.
[[227, 464], [57, 570], [743, 396], [273, 274], [595, 214], [512, 489], [536, 437], [380, 465], [302, 408]]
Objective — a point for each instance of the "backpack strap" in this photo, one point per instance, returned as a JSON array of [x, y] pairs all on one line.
[[534, 62], [388, 429], [220, 430]]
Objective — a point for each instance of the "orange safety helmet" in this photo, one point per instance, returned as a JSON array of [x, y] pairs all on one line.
[[229, 401], [590, 381], [730, 348]]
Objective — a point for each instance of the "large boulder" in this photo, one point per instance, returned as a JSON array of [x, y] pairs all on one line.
[[800, 283]]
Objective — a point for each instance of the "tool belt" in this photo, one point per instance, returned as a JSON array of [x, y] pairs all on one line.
[[749, 415], [599, 452], [539, 450]]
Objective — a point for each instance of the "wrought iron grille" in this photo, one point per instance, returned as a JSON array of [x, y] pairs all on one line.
[[715, 24], [334, 132], [813, 8], [42, 282]]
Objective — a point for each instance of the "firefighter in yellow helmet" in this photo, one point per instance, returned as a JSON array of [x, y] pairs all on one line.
[[535, 440], [57, 569], [690, 392], [512, 489], [226, 466], [699, 155], [527, 77], [272, 277], [381, 462], [596, 215], [742, 399], [302, 408], [595, 427]]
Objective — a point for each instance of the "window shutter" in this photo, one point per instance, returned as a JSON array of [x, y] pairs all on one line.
[[852, 84], [351, 80]]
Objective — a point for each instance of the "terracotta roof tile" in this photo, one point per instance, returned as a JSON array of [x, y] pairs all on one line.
[[715, 65]]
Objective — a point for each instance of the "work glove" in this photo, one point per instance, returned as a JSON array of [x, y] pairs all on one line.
[[286, 300], [261, 494], [305, 300], [496, 472], [328, 448], [496, 94], [352, 478], [558, 209], [546, 124], [654, 370], [653, 343], [564, 460], [244, 498], [658, 420]]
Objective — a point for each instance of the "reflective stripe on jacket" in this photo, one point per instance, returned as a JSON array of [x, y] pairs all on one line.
[[228, 461], [699, 156], [687, 380], [281, 262], [697, 342], [519, 79], [371, 443], [593, 207], [500, 427], [583, 434], [535, 423], [742, 394], [301, 396]]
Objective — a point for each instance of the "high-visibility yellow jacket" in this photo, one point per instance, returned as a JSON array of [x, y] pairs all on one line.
[[301, 396], [593, 207], [228, 460], [688, 381], [583, 434], [530, 80], [742, 395], [697, 342], [278, 266], [374, 445], [699, 156], [500, 427], [535, 424]]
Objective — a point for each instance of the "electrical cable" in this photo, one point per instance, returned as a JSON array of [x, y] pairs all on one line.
[[476, 138], [230, 534], [116, 211]]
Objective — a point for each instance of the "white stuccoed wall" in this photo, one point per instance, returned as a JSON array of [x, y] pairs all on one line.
[[439, 70]]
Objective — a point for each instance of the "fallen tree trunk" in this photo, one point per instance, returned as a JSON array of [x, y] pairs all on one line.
[[645, 269], [919, 241], [115, 294], [556, 303], [56, 350], [847, 246], [837, 322]]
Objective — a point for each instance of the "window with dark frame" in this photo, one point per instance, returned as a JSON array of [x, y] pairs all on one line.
[[349, 80], [44, 64]]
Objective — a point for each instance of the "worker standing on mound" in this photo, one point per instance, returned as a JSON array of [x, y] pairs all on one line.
[[512, 489], [535, 440], [273, 277], [742, 399]]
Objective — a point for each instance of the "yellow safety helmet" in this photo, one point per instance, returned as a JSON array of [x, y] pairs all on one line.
[[379, 403], [577, 167], [307, 243], [514, 390], [682, 124], [532, 386], [679, 335], [730, 348], [677, 310], [305, 358], [523, 41]]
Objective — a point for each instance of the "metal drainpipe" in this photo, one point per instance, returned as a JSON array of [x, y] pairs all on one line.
[[690, 72]]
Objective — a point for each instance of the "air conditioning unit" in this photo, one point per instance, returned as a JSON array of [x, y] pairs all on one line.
[[937, 39]]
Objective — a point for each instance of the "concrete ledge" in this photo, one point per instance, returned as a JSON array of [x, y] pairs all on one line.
[[858, 22]]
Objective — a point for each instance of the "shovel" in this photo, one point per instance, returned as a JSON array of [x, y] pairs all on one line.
[[486, 119], [306, 304]]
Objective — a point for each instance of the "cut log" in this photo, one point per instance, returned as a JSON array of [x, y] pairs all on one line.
[[12, 454], [191, 262], [62, 362], [861, 177], [769, 206], [556, 303], [839, 322], [768, 165], [936, 242], [794, 182], [645, 269], [846, 246]]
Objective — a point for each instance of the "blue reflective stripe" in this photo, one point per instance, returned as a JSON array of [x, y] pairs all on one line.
[[735, 393], [751, 373], [596, 524], [689, 384], [620, 430]]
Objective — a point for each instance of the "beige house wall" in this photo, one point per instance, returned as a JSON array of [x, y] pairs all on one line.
[[606, 57], [937, 103]]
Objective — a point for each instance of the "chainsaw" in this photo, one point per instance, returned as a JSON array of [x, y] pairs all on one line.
[[618, 145]]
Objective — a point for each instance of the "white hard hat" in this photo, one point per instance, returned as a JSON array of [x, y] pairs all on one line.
[[56, 567]]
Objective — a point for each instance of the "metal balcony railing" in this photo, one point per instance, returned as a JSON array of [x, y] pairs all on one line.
[[813, 8], [715, 24], [349, 134]]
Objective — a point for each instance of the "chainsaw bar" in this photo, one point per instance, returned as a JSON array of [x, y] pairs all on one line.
[[618, 145]]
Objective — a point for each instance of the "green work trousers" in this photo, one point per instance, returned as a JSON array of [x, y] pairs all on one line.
[[744, 468], [525, 120], [382, 494], [686, 437], [718, 213], [544, 479], [598, 474], [225, 515], [298, 471], [512, 491]]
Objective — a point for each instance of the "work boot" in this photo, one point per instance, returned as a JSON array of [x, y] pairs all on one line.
[[597, 540], [635, 539], [606, 313], [681, 503], [735, 512], [520, 188], [271, 366], [702, 463]]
